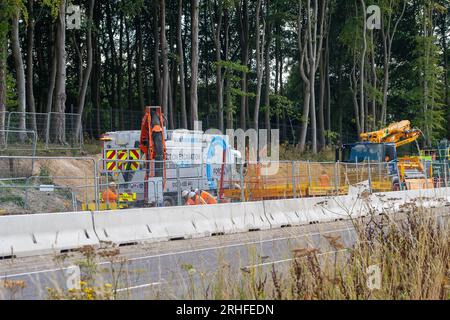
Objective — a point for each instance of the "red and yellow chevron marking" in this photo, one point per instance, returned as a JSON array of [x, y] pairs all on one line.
[[135, 155], [111, 166], [123, 156], [111, 155]]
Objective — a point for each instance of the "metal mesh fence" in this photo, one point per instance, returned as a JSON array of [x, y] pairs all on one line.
[[74, 184], [99, 121], [62, 131], [54, 131], [41, 185], [36, 122], [18, 142]]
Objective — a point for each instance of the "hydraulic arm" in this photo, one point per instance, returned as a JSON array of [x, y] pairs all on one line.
[[399, 133], [153, 145]]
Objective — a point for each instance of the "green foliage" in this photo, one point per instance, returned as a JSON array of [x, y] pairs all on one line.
[[426, 97], [44, 175], [281, 105], [17, 200], [53, 5], [131, 8], [232, 72], [11, 94]]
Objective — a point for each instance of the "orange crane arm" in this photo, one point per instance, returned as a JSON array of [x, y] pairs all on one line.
[[152, 136]]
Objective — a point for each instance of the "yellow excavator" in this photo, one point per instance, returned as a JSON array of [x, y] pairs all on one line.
[[407, 172]]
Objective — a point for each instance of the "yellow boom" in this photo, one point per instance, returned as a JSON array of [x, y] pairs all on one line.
[[399, 133]]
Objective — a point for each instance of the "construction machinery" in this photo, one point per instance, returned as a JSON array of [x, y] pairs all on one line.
[[382, 146], [155, 164], [440, 160]]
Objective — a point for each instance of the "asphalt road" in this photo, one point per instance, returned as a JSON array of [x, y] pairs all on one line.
[[161, 270]]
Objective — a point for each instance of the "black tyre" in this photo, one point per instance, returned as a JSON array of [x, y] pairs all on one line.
[[169, 201]]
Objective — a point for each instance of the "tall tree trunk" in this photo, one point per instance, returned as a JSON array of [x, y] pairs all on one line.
[[19, 68], [87, 72], [3, 89], [156, 54], [375, 85], [445, 49], [112, 65], [120, 74], [388, 33], [311, 55], [29, 82], [226, 53], [218, 50], [139, 55], [267, 72], [97, 68], [60, 101], [194, 61], [362, 71], [184, 121], [165, 61], [328, 84], [242, 9], [321, 132], [129, 72], [260, 40]]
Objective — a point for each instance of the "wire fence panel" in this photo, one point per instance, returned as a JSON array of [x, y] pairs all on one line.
[[99, 121], [18, 142], [36, 122], [62, 131], [15, 168], [3, 124], [32, 199], [54, 131], [48, 185], [73, 184]]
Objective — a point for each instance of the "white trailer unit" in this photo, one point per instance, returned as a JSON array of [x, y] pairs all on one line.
[[194, 161]]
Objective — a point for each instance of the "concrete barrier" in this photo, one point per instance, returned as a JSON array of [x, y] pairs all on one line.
[[29, 235], [159, 224], [139, 225], [294, 212], [49, 233]]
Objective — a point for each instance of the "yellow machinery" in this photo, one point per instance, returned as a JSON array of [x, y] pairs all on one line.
[[382, 146], [399, 133], [125, 201]]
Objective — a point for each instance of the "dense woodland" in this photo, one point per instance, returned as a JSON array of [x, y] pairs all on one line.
[[308, 67]]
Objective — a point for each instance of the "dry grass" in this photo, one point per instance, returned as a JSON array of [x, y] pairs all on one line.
[[292, 153], [413, 256]]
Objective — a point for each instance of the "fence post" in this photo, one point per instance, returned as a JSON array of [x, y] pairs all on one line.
[[179, 200], [309, 175], [294, 181], [241, 176], [96, 181], [370, 176], [336, 177], [424, 163], [26, 193], [47, 131], [446, 173], [399, 177], [7, 129]]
